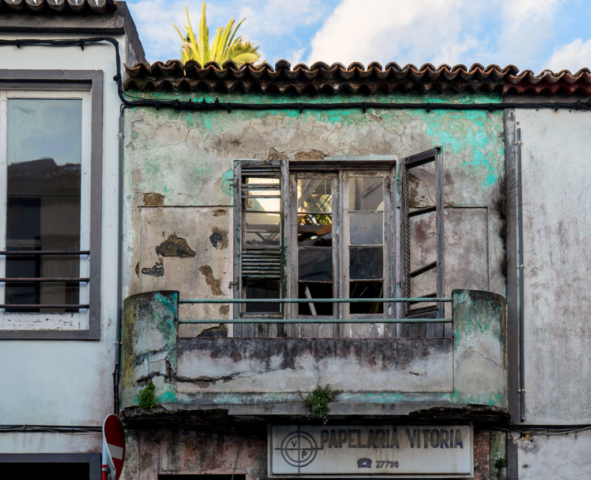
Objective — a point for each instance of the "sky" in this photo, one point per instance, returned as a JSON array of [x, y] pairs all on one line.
[[531, 34]]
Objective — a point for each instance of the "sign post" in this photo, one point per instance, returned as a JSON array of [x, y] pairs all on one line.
[[113, 448]]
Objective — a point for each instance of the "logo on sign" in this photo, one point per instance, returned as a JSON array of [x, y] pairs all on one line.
[[298, 449]]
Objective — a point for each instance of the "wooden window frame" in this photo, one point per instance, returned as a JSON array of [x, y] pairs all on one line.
[[396, 274]]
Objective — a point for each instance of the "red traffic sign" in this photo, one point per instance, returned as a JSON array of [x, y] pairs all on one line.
[[113, 445]]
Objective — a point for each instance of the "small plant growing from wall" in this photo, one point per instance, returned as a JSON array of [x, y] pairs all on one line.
[[317, 401], [146, 398], [500, 465]]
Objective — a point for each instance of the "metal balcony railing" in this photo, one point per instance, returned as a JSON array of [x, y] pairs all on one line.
[[37, 253], [263, 319]]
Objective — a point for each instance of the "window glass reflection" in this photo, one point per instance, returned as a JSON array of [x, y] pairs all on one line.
[[43, 198]]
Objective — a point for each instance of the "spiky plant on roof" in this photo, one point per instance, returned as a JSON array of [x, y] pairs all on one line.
[[225, 46]]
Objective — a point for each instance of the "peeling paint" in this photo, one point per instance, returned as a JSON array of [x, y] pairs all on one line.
[[213, 282], [310, 155], [156, 271], [219, 238], [175, 246], [153, 200]]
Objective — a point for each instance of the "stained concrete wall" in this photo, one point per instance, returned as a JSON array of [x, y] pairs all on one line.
[[557, 255], [68, 382], [189, 451], [199, 374], [178, 172]]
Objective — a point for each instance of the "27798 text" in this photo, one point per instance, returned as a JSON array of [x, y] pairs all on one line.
[[387, 464]]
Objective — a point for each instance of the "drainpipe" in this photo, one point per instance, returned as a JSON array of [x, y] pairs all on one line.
[[117, 372], [520, 272]]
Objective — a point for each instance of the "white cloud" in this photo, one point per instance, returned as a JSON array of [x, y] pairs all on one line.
[[527, 26], [437, 31], [395, 30], [573, 57]]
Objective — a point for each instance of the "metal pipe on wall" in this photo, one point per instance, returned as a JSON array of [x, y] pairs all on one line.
[[117, 371], [520, 272]]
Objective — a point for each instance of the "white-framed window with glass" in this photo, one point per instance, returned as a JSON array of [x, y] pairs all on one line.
[[45, 172]]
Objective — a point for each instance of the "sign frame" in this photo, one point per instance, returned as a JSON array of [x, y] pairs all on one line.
[[387, 473]]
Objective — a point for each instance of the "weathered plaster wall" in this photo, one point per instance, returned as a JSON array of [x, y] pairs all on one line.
[[200, 372], [180, 163], [68, 382], [557, 255], [557, 246], [558, 457], [189, 451]]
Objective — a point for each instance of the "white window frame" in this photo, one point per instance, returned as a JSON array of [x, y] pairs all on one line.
[[44, 321]]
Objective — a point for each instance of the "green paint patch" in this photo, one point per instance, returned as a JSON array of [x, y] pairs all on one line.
[[169, 396], [227, 183]]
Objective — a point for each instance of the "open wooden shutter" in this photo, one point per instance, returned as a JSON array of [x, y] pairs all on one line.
[[260, 246], [422, 239]]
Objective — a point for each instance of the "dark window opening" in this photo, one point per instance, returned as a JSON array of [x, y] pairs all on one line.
[[201, 477], [63, 471]]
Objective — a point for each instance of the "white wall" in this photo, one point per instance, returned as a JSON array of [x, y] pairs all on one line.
[[68, 382], [557, 257]]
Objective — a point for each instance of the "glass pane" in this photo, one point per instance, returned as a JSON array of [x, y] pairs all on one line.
[[261, 289], [262, 229], [315, 290], [315, 229], [315, 264], [366, 194], [261, 181], [366, 290], [315, 195], [43, 197], [366, 263], [263, 204], [261, 192], [366, 228]]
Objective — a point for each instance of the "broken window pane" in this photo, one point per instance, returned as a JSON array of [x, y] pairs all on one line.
[[315, 195], [315, 290], [263, 204], [262, 229], [315, 229], [366, 290], [366, 263], [366, 228], [366, 193], [315, 264], [43, 198], [261, 289]]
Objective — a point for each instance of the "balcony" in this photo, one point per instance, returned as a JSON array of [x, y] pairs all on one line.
[[463, 376]]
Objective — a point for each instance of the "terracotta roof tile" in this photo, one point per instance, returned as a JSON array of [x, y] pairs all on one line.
[[320, 77]]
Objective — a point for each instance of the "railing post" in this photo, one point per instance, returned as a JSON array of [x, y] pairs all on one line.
[[480, 370], [149, 344]]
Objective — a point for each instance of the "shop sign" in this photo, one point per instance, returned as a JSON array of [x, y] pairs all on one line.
[[410, 451]]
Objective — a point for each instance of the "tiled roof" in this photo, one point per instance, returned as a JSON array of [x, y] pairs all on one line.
[[550, 83], [57, 6], [336, 78]]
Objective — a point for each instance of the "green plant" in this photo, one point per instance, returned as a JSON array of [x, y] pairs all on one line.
[[317, 401], [223, 48], [146, 398], [500, 463]]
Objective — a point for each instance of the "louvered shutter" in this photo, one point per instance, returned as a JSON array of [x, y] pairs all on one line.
[[259, 240], [422, 269]]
